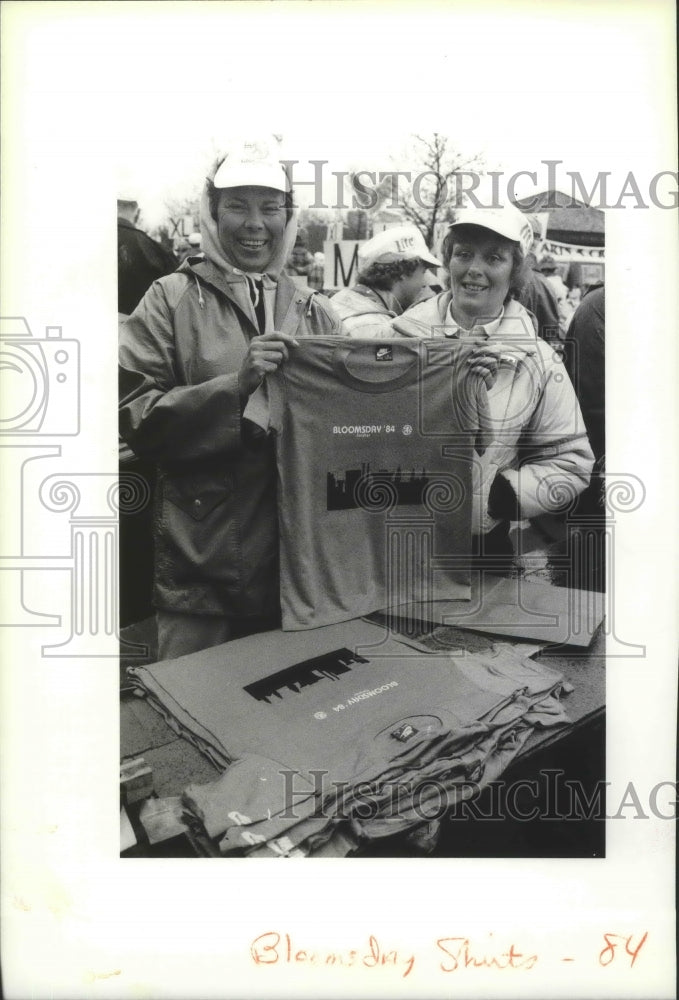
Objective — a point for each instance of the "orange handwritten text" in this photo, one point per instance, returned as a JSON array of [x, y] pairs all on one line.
[[271, 948], [460, 953], [607, 954]]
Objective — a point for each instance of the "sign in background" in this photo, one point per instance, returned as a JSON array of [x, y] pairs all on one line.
[[341, 262], [183, 226], [571, 252]]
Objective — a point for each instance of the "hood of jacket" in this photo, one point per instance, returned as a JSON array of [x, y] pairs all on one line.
[[212, 248]]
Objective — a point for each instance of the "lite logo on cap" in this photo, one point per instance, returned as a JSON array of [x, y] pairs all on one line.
[[396, 243], [405, 243]]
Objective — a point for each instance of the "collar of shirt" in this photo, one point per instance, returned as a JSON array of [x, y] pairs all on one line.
[[487, 330]]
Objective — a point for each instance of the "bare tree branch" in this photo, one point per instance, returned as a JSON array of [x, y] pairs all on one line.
[[435, 165]]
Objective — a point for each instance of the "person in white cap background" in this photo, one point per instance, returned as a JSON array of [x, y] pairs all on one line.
[[392, 269], [537, 458], [198, 344]]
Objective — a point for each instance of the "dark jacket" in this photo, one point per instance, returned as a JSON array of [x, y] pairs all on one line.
[[141, 261], [538, 297], [585, 363]]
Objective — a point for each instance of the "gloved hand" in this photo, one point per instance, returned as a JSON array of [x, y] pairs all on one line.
[[493, 497], [503, 502]]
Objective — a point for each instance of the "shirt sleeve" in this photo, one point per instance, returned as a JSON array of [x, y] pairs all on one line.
[[160, 418]]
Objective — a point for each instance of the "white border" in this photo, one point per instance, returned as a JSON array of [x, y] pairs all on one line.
[[88, 85]]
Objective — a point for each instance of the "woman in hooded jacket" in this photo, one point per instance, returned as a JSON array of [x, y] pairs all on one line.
[[536, 458], [192, 352]]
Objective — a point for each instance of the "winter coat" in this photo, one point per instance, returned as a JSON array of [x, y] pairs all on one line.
[[215, 521], [538, 443], [366, 312]]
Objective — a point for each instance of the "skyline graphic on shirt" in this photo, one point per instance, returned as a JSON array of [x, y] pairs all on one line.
[[329, 666], [350, 489]]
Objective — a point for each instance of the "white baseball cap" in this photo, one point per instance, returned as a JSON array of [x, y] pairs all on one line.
[[396, 243], [506, 221], [252, 164]]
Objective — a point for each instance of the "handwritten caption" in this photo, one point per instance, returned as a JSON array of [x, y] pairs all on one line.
[[447, 954]]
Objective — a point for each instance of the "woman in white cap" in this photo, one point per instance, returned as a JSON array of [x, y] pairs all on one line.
[[392, 269], [538, 458], [191, 354]]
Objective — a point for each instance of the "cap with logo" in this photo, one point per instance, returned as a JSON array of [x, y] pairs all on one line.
[[396, 243], [506, 221], [252, 164]]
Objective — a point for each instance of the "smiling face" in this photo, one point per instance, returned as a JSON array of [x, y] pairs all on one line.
[[480, 266], [251, 223]]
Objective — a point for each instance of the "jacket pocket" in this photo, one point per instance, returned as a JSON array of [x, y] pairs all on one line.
[[196, 495]]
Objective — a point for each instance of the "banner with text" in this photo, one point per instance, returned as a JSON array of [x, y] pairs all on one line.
[[571, 252]]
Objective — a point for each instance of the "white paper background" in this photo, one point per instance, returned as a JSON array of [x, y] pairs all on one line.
[[88, 87]]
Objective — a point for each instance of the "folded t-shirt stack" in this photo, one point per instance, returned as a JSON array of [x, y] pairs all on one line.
[[350, 736]]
